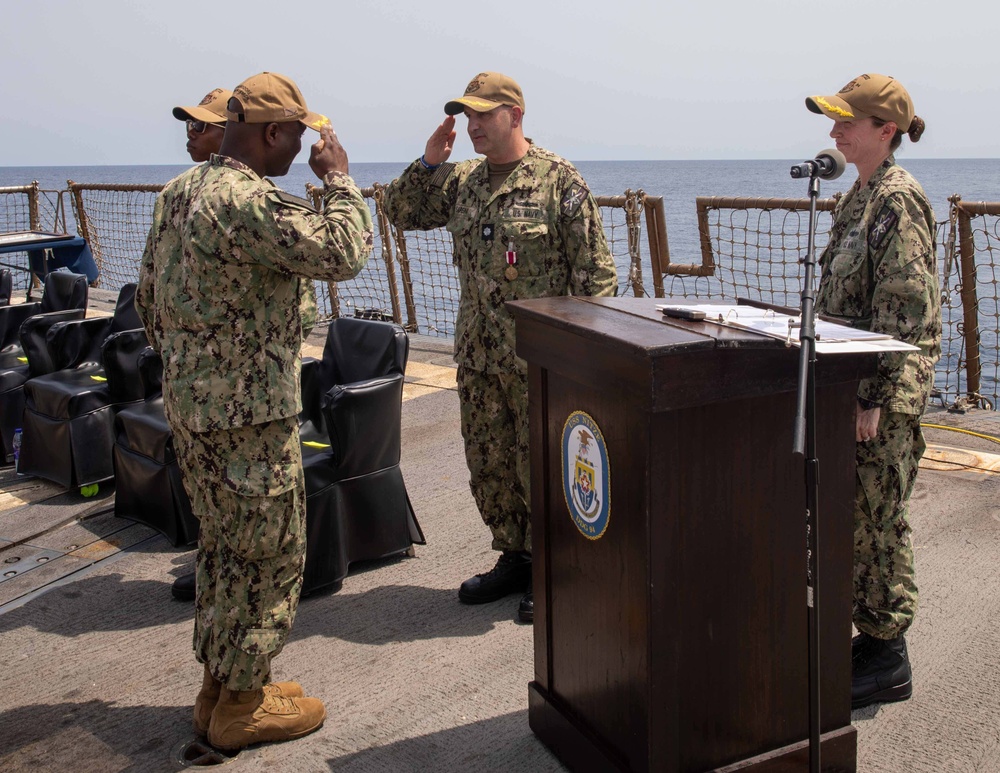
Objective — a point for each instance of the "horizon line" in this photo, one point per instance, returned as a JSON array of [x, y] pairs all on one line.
[[579, 160]]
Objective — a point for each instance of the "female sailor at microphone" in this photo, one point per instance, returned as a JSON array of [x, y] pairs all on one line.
[[879, 272]]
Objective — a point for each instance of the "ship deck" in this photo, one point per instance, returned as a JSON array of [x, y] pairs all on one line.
[[99, 673]]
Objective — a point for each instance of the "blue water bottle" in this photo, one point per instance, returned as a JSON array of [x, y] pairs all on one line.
[[16, 445]]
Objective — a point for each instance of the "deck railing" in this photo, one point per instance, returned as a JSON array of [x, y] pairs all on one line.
[[750, 247]]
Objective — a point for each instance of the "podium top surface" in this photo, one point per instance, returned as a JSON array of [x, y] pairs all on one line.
[[637, 324], [627, 344]]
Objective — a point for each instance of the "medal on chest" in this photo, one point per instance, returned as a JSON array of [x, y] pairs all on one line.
[[511, 255]]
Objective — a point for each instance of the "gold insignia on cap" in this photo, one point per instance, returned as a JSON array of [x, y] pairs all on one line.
[[833, 108]]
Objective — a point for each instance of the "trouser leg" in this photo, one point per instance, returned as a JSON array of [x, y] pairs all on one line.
[[247, 487], [885, 590], [494, 411]]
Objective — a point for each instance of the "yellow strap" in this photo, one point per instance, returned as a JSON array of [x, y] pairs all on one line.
[[314, 444]]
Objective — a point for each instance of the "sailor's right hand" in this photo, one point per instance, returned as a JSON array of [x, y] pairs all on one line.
[[441, 142], [328, 155]]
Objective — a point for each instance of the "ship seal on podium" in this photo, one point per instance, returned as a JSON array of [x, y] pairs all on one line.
[[586, 475]]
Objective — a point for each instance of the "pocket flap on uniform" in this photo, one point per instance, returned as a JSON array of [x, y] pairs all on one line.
[[260, 479], [526, 229], [847, 262], [261, 641]]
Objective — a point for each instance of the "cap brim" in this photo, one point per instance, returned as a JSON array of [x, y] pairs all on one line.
[[314, 121], [456, 106], [198, 114], [835, 108]]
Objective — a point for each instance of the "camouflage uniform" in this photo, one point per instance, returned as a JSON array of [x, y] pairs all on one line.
[[879, 272], [545, 211], [220, 296]]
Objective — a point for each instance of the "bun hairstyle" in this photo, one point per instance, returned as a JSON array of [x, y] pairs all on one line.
[[915, 131]]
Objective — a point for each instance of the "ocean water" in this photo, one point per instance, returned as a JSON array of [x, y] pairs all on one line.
[[679, 182]]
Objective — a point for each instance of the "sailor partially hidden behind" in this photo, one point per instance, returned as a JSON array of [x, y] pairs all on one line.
[[879, 272], [205, 123]]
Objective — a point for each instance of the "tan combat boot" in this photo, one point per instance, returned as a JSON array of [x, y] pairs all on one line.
[[208, 696], [255, 716]]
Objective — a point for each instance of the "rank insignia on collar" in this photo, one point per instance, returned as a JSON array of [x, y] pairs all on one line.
[[488, 232], [882, 227]]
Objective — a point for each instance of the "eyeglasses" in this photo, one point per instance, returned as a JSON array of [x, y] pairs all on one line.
[[198, 127]]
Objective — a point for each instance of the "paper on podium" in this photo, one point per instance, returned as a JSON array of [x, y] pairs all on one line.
[[831, 337]]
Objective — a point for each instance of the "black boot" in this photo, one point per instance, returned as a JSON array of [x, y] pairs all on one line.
[[184, 587], [511, 575], [880, 672], [526, 609], [858, 645]]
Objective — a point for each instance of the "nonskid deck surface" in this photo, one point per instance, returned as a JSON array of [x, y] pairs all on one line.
[[99, 674]]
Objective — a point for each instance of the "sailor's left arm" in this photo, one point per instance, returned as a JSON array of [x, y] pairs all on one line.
[[904, 298]]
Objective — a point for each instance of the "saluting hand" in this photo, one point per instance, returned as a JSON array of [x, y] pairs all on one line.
[[328, 155], [441, 142]]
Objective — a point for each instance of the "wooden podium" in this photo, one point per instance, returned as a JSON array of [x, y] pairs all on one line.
[[668, 521]]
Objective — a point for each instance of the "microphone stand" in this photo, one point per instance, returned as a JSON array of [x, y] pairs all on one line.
[[804, 445]]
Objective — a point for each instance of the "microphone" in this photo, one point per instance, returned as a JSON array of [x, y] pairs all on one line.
[[829, 164]]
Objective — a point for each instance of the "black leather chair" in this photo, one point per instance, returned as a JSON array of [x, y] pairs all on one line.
[[63, 291], [6, 286], [357, 507], [148, 486], [38, 362], [68, 424], [357, 504]]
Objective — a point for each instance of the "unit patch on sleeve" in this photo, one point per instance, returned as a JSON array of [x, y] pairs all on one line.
[[294, 201], [884, 225], [572, 199]]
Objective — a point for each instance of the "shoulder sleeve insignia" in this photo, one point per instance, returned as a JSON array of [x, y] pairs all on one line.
[[572, 199], [294, 201], [441, 173], [884, 225]]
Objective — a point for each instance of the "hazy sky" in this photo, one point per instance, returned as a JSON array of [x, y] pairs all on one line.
[[94, 83]]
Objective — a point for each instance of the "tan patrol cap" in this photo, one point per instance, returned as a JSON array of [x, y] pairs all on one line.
[[212, 109], [271, 98], [485, 92], [868, 96]]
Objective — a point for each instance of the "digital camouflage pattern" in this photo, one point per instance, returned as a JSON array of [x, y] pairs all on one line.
[[879, 273], [248, 492], [223, 294], [220, 292], [494, 411], [545, 213], [544, 209], [308, 308], [885, 590]]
